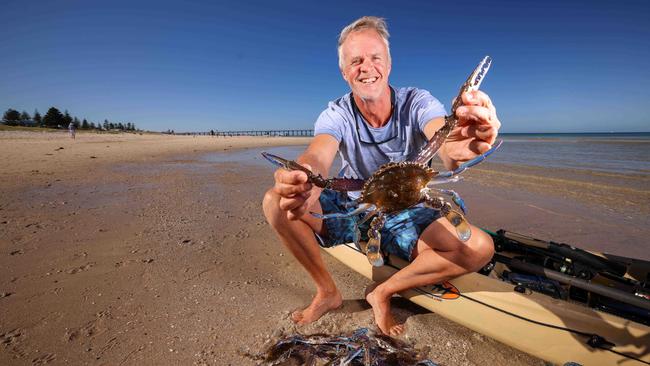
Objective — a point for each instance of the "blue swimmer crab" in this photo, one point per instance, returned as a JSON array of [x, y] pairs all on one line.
[[396, 186]]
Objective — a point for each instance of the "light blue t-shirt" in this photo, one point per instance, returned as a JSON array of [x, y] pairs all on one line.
[[364, 148]]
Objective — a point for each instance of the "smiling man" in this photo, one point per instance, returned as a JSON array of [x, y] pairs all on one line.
[[370, 126]]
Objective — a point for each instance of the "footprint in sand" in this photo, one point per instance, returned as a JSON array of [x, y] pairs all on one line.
[[80, 268], [242, 234], [11, 341], [11, 337], [91, 328], [46, 358]]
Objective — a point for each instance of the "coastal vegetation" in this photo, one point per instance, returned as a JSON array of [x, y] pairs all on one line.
[[55, 119]]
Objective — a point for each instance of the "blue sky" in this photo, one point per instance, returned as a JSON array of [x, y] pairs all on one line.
[[559, 66]]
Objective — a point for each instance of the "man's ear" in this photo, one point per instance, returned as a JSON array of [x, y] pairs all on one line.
[[343, 74]]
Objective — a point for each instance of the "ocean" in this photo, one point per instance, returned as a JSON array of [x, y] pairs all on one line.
[[627, 153], [617, 153]]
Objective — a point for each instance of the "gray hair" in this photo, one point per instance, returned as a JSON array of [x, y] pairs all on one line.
[[366, 22]]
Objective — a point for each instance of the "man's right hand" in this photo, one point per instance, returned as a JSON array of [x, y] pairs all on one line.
[[294, 190]]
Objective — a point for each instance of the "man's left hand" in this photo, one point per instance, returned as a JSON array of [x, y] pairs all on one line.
[[477, 129]]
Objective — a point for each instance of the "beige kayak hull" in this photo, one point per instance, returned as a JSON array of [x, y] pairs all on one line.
[[550, 344]]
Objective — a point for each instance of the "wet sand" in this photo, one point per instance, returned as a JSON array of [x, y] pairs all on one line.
[[149, 253]]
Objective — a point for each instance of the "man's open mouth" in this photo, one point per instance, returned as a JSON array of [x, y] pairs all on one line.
[[369, 80]]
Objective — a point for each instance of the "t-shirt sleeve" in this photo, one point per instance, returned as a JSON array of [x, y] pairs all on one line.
[[426, 108], [330, 122]]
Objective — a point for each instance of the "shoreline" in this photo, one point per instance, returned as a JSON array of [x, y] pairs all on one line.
[[31, 154], [148, 254]]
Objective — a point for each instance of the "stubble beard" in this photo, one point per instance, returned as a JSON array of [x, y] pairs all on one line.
[[372, 96]]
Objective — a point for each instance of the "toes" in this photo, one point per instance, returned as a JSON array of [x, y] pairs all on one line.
[[297, 316], [397, 330], [382, 331]]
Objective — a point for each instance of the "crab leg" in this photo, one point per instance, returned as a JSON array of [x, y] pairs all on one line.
[[337, 184], [457, 219], [472, 83], [373, 250], [362, 208], [455, 197], [463, 230], [357, 232], [369, 215], [470, 163], [284, 163], [345, 184], [443, 180]]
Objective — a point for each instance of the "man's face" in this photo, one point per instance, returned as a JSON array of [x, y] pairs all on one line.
[[366, 64]]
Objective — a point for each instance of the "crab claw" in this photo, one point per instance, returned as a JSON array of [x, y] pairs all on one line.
[[373, 252], [456, 198], [373, 249], [470, 163], [284, 163], [459, 222], [275, 160]]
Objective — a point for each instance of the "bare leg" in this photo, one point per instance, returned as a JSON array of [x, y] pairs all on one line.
[[438, 256], [298, 237]]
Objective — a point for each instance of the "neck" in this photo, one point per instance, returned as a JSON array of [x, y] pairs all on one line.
[[376, 112]]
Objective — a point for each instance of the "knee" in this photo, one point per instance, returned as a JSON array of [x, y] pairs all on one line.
[[270, 203], [483, 252], [271, 207]]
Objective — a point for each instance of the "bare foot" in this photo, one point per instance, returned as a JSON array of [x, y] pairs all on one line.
[[383, 317], [321, 304]]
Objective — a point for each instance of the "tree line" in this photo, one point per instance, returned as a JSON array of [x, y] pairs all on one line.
[[55, 119]]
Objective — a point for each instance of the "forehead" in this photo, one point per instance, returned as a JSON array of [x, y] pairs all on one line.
[[366, 41]]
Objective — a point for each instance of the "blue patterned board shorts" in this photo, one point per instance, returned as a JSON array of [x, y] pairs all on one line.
[[398, 236]]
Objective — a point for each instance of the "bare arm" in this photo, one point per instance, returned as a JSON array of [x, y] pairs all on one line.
[[430, 129], [320, 154], [297, 194]]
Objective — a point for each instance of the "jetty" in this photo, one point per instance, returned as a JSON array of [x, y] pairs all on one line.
[[270, 133]]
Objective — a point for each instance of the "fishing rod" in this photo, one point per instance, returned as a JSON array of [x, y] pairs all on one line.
[[574, 281], [594, 262]]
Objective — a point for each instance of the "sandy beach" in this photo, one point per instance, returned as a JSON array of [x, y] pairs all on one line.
[[128, 249]]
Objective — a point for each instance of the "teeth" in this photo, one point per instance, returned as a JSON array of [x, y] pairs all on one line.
[[368, 81]]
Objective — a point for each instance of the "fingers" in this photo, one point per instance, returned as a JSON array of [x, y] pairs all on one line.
[[290, 176], [475, 114], [291, 182], [294, 190], [477, 97], [295, 206], [477, 109], [484, 133], [479, 147], [290, 190]]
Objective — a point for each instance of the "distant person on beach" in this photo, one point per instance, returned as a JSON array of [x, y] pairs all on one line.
[[374, 124], [72, 129]]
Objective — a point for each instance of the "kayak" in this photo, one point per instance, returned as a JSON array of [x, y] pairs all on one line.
[[551, 300]]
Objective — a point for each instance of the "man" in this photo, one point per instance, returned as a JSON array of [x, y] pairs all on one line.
[[72, 129], [372, 125]]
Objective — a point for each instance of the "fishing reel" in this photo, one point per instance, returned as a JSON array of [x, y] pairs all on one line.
[[571, 268]]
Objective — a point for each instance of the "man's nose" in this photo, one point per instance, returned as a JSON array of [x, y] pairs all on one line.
[[366, 65]]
